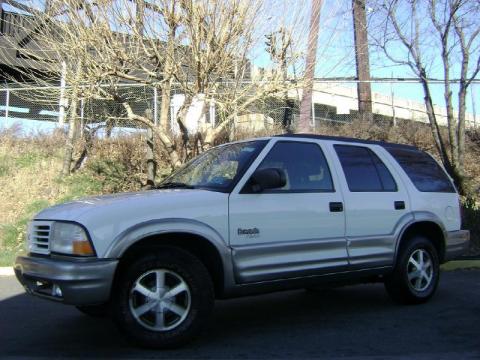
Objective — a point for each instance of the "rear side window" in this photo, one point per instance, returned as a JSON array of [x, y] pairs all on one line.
[[422, 169], [364, 171]]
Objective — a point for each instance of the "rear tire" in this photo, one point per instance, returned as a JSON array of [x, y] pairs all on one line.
[[163, 299], [416, 274]]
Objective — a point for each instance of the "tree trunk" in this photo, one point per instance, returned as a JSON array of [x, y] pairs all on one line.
[[167, 75], [151, 163], [165, 106], [451, 122], [437, 136], [462, 96], [306, 103], [73, 123], [72, 134]]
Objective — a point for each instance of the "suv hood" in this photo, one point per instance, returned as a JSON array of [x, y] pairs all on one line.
[[144, 205]]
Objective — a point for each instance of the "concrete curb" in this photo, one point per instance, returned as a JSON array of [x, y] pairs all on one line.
[[6, 271], [461, 265]]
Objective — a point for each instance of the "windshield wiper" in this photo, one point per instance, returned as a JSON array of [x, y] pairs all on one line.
[[172, 185]]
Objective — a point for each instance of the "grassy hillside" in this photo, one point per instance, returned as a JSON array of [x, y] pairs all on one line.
[[29, 182], [30, 179]]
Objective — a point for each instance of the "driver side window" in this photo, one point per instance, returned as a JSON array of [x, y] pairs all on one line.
[[304, 164]]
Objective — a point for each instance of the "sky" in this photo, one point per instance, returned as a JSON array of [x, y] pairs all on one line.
[[336, 53], [336, 56]]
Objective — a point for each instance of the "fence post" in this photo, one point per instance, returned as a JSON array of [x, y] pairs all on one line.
[[150, 156], [472, 94], [155, 106], [61, 103], [7, 103], [313, 111], [212, 113]]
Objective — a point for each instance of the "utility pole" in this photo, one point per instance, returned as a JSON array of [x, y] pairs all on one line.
[[304, 125], [364, 89]]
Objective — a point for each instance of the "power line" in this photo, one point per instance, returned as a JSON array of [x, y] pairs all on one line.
[[388, 80]]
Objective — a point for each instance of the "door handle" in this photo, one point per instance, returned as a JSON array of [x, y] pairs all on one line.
[[399, 205], [336, 207]]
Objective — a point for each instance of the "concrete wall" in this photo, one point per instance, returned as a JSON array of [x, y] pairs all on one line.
[[344, 99]]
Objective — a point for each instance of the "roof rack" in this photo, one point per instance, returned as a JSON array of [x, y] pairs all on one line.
[[347, 139]]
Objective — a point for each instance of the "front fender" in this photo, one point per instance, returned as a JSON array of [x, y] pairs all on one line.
[[164, 226]]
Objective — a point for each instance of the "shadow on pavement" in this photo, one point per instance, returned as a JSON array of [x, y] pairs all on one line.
[[352, 321]]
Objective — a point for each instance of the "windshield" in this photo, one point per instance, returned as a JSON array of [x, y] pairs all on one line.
[[217, 168]]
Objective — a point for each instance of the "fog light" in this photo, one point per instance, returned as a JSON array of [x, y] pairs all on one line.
[[56, 291]]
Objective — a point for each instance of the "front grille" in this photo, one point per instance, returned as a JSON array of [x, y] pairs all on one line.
[[39, 237]]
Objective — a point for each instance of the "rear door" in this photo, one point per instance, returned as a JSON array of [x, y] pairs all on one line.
[[375, 202], [293, 231]]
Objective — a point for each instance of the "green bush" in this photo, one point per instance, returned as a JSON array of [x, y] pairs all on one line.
[[471, 221]]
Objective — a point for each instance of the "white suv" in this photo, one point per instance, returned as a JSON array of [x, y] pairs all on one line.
[[248, 217]]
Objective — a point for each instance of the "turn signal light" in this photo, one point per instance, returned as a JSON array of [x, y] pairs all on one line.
[[82, 247]]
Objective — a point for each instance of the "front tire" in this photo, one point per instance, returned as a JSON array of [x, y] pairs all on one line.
[[415, 277], [163, 299]]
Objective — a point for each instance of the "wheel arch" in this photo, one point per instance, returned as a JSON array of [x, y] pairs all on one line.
[[196, 238], [428, 228]]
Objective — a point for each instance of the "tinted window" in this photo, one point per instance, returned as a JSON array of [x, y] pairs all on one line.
[[422, 169], [304, 165], [363, 169]]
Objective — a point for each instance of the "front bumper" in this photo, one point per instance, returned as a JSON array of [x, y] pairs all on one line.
[[457, 244], [71, 281]]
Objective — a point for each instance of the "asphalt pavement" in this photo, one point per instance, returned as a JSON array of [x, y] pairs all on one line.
[[358, 322]]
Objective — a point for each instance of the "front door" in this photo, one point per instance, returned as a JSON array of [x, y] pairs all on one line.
[[292, 231]]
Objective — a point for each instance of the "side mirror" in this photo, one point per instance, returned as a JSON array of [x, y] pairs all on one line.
[[264, 179]]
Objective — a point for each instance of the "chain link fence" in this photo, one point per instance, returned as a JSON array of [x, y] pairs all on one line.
[[333, 103]]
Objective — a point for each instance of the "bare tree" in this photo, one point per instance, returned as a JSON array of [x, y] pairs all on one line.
[[427, 31], [198, 48]]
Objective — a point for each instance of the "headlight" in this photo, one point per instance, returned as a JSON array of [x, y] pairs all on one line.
[[68, 238]]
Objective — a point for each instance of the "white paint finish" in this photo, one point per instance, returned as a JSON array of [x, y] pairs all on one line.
[[284, 220], [437, 203], [106, 217], [284, 217]]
